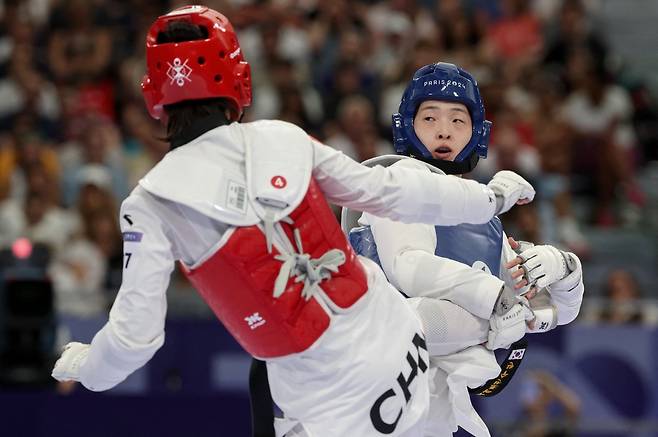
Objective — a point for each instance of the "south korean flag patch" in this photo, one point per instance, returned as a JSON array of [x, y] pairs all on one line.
[[517, 354]]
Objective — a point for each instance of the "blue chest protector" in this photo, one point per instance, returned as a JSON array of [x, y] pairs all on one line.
[[478, 246]]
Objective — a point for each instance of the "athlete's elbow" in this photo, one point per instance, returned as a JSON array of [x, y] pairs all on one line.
[[568, 317], [101, 386], [404, 271]]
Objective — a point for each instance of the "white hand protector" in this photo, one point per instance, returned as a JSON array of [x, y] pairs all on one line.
[[67, 368], [544, 265], [509, 189], [507, 298], [545, 313], [510, 327], [545, 320]]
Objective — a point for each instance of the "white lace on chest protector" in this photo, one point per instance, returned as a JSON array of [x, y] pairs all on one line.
[[299, 265], [279, 175]]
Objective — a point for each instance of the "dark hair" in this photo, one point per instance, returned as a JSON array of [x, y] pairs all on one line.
[[182, 114], [181, 30]]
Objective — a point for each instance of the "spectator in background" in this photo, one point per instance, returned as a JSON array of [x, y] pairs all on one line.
[[95, 193], [420, 14], [19, 27], [572, 30], [129, 53], [100, 144], [8, 14], [623, 304], [328, 23], [142, 144], [19, 153], [104, 233], [349, 78], [282, 95], [459, 33], [356, 134], [554, 142], [516, 35], [600, 113], [550, 408], [509, 150], [78, 274], [293, 40], [348, 72], [80, 55], [392, 37], [37, 216], [97, 209], [293, 108], [25, 90], [80, 46], [644, 122]]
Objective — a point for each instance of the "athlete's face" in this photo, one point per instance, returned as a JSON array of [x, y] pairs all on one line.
[[443, 127]]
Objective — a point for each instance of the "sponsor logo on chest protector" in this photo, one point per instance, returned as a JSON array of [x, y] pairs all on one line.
[[254, 320]]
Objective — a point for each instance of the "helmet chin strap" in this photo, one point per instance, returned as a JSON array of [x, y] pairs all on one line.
[[452, 167]]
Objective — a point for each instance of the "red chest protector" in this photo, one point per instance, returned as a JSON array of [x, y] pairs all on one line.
[[237, 283]]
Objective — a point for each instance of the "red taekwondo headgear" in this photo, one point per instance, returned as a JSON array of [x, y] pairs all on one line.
[[211, 67]]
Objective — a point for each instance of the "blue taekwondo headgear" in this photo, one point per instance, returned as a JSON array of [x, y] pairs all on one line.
[[441, 81]]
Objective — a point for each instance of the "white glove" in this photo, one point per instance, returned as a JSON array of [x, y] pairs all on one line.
[[544, 265], [510, 327], [507, 298], [67, 368], [545, 319], [510, 188]]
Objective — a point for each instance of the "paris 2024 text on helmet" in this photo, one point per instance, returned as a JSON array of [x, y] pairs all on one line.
[[206, 68], [447, 82]]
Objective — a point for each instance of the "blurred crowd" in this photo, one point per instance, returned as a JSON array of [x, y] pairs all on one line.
[[75, 137]]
